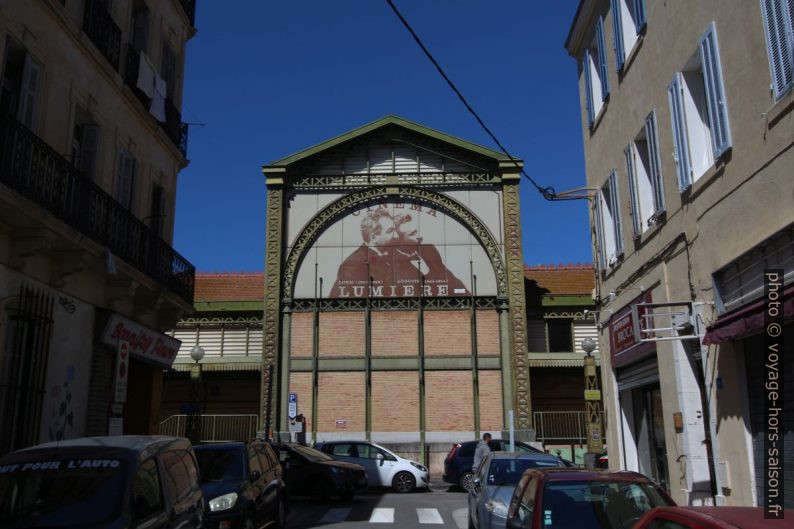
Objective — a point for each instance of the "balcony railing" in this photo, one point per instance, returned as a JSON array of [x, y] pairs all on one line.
[[102, 30], [214, 427], [33, 169], [173, 126], [564, 426], [190, 10]]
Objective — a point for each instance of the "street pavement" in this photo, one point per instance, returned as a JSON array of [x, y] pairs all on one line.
[[440, 507]]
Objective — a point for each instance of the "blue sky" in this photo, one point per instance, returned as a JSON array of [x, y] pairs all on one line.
[[270, 78]]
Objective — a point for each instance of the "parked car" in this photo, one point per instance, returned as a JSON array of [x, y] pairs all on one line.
[[712, 518], [311, 472], [108, 482], [582, 499], [384, 468], [457, 465], [602, 460], [242, 485], [495, 482]]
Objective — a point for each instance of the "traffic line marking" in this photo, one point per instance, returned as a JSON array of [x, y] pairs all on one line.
[[382, 515], [335, 516], [429, 516]]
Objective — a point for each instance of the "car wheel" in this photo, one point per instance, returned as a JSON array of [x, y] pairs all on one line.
[[319, 489], [403, 482], [466, 480]]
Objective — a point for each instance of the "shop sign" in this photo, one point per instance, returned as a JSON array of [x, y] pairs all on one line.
[[144, 343], [341, 423], [625, 345]]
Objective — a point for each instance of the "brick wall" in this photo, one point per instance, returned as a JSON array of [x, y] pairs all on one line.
[[447, 332], [395, 401], [301, 334], [342, 334], [301, 383], [487, 332], [449, 401], [490, 400], [341, 396], [395, 333]]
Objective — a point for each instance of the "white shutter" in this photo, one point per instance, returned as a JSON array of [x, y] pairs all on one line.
[[617, 34], [255, 342], [582, 331], [405, 160], [715, 92], [615, 209], [588, 88], [29, 93], [634, 200], [380, 160], [779, 30], [188, 339], [680, 137], [652, 140], [235, 341], [89, 148], [599, 226], [602, 58]]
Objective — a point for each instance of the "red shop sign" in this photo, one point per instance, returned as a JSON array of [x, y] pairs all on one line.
[[625, 346]]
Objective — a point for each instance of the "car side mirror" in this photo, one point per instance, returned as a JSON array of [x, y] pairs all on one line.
[[477, 485], [255, 475], [379, 456]]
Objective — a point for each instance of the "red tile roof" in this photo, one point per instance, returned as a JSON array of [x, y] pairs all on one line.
[[570, 279], [230, 287]]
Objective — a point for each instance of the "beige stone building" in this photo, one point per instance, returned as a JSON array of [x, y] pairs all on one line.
[[91, 142], [688, 124]]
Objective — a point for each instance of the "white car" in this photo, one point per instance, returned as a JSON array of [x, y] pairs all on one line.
[[384, 468]]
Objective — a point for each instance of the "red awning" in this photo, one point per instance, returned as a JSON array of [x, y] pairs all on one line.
[[746, 320]]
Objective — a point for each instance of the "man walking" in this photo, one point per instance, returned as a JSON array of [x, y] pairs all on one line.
[[483, 447]]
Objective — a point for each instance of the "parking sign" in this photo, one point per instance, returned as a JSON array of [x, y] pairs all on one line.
[[292, 406]]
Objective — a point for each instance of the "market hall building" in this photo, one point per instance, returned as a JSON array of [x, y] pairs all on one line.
[[394, 290]]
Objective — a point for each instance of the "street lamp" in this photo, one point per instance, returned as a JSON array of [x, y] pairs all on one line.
[[592, 403], [193, 426]]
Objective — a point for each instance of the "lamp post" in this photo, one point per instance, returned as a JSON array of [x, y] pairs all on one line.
[[193, 425], [592, 403]]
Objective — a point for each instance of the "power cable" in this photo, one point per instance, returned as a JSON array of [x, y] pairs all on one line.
[[547, 192]]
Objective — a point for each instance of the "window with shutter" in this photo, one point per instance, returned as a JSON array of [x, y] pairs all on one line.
[[614, 207], [140, 26], [634, 199], [168, 70], [609, 229], [594, 68], [29, 92], [715, 92], [680, 141], [654, 163], [644, 176], [778, 16], [628, 19], [126, 179]]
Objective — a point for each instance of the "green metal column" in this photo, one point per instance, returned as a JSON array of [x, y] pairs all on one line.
[[368, 367], [315, 364], [420, 317], [283, 376], [507, 373], [475, 378]]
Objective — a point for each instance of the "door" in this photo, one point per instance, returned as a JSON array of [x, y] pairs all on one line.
[[182, 489], [256, 487], [146, 497], [383, 463], [270, 481]]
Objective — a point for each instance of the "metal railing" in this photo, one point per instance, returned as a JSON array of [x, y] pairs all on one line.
[[173, 126], [100, 27], [214, 427], [559, 426], [35, 170]]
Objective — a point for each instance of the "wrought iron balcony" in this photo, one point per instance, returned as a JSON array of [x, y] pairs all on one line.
[[102, 30], [190, 10], [35, 170], [173, 126]]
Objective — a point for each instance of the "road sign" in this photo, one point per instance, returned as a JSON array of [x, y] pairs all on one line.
[[292, 406], [295, 427], [122, 370]]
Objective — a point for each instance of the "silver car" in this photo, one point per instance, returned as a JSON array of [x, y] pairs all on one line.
[[495, 481]]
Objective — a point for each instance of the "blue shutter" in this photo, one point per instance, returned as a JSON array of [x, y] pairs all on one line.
[[615, 207], [634, 201], [778, 20], [598, 221], [617, 35], [652, 139], [588, 88], [680, 138], [639, 13], [602, 58], [715, 92]]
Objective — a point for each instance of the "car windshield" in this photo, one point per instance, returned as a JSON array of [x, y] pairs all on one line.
[[311, 454], [508, 471], [61, 492], [219, 464], [597, 504]]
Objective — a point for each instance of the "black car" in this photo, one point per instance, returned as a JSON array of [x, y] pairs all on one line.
[[457, 465], [102, 482], [310, 472], [242, 484]]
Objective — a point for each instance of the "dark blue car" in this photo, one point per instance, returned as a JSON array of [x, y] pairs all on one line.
[[242, 484], [457, 465]]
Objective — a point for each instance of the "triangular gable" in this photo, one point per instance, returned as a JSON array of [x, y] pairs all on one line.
[[407, 134]]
